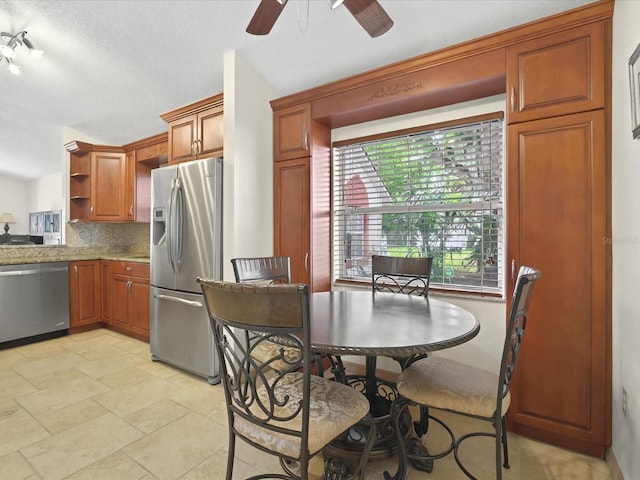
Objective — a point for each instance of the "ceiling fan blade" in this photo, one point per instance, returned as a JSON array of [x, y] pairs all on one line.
[[370, 15], [265, 16]]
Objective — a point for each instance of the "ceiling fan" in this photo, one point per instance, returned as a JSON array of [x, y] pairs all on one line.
[[369, 14]]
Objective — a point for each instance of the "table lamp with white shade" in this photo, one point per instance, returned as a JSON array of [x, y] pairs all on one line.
[[7, 218]]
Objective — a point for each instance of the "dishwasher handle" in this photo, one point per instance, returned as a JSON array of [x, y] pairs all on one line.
[[34, 271]]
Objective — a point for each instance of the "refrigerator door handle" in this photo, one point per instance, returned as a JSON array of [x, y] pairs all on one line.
[[179, 219], [179, 300], [168, 228], [170, 233]]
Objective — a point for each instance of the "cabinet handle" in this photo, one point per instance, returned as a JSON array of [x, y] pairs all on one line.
[[513, 270], [91, 208], [306, 140], [75, 271], [199, 146], [129, 287], [306, 262], [193, 148], [131, 210], [513, 98], [128, 269]]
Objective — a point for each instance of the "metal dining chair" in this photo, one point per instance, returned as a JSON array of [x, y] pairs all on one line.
[[269, 270], [443, 384], [262, 269], [408, 275], [287, 412], [411, 276]]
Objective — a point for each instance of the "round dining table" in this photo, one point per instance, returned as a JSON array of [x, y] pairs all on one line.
[[373, 324], [386, 324]]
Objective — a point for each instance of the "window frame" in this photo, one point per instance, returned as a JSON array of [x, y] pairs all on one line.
[[338, 226]]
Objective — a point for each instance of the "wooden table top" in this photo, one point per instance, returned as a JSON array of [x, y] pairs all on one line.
[[386, 324]]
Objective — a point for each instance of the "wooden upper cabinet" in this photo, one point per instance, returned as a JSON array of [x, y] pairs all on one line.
[[142, 157], [210, 132], [182, 138], [292, 132], [108, 191], [153, 154], [97, 183], [130, 186], [557, 74], [196, 130]]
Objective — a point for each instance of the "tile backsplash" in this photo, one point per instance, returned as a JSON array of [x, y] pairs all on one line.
[[128, 237]]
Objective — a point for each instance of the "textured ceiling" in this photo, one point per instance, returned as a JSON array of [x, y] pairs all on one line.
[[111, 67]]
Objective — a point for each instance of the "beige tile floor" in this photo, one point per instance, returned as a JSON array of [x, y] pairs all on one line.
[[93, 406]]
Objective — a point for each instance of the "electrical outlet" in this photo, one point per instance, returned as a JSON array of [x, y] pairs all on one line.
[[625, 411]]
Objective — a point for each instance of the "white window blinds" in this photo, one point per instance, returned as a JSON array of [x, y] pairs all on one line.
[[435, 191]]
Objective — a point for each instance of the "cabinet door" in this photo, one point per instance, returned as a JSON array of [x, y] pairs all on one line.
[[84, 293], [120, 285], [292, 131], [139, 291], [558, 221], [105, 278], [210, 133], [130, 186], [108, 173], [557, 74], [291, 216], [182, 136]]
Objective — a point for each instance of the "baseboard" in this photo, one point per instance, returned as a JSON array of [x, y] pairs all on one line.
[[614, 468]]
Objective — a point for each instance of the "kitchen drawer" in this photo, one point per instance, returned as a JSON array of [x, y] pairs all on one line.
[[134, 269]]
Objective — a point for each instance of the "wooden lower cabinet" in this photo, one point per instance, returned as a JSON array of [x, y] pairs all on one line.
[[105, 278], [85, 296], [130, 289], [109, 293], [559, 199]]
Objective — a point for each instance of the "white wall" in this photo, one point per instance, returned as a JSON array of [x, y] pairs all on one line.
[[248, 163], [484, 350], [14, 199], [626, 244], [46, 193]]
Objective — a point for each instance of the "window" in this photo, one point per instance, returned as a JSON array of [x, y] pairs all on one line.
[[429, 191]]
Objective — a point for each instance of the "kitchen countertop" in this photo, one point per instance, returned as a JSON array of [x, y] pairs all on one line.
[[20, 254]]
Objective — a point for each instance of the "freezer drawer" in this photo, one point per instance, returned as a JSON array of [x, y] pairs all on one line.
[[180, 334]]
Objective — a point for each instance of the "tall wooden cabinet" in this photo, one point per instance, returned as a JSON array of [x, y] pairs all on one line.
[[559, 213], [196, 130], [302, 202]]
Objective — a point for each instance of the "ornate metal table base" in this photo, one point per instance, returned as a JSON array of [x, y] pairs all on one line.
[[343, 454]]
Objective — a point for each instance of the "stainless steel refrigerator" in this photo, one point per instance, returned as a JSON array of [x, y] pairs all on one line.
[[186, 242]]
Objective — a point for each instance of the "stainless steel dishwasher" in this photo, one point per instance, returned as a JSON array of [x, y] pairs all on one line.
[[34, 301]]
